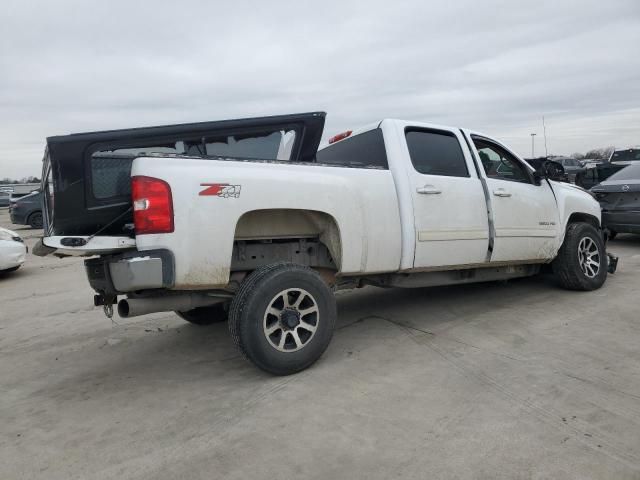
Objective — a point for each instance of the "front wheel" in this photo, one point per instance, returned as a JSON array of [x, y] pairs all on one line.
[[282, 318], [581, 263]]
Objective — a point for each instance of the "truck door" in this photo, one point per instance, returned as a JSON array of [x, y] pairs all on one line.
[[525, 215], [450, 211]]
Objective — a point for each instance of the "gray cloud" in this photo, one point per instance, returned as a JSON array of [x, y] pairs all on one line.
[[494, 66]]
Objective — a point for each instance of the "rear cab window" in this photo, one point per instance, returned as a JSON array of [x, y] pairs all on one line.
[[365, 150]]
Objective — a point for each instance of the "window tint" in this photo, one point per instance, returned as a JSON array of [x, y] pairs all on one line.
[[436, 153], [111, 169], [500, 164], [363, 150], [111, 175]]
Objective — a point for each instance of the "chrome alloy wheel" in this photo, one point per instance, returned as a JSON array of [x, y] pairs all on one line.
[[291, 320], [589, 257]]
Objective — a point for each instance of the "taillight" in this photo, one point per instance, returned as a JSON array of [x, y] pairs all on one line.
[[152, 205]]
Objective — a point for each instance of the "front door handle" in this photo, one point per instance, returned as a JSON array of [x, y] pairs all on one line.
[[428, 190], [501, 192]]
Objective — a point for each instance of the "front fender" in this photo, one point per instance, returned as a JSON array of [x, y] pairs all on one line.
[[575, 202]]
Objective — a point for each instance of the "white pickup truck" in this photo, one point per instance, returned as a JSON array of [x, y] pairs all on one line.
[[247, 221]]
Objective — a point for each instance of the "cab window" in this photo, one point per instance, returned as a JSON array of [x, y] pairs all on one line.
[[500, 164], [436, 152]]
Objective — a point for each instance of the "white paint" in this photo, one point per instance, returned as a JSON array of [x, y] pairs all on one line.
[[12, 253], [443, 208], [363, 203]]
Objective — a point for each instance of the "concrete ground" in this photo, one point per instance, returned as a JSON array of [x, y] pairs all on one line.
[[501, 380]]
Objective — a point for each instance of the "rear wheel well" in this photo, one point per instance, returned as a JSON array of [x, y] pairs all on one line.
[[278, 231]]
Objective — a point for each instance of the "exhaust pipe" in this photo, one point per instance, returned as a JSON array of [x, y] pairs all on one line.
[[133, 307]]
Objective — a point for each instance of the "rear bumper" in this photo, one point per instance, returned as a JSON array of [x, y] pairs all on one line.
[[17, 217], [128, 272]]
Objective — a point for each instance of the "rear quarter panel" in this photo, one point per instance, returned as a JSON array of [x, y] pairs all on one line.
[[363, 202]]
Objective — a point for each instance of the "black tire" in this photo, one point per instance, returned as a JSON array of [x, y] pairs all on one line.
[[205, 315], [292, 346], [573, 270], [612, 235], [9, 270], [35, 220]]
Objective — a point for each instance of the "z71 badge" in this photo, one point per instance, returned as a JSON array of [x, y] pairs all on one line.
[[223, 190]]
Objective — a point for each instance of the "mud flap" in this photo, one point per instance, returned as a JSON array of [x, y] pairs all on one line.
[[612, 263]]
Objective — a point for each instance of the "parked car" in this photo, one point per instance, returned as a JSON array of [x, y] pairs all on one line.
[[12, 251], [27, 210], [254, 224], [596, 173], [590, 162], [619, 197], [625, 156], [572, 167], [4, 199]]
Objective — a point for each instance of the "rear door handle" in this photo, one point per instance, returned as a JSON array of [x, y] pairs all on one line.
[[428, 190], [501, 192]]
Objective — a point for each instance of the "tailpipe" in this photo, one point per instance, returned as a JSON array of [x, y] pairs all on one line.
[[133, 307]]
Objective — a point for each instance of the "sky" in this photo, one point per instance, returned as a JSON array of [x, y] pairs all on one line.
[[492, 66]]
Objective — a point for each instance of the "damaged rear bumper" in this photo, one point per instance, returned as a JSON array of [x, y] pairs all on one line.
[[111, 275]]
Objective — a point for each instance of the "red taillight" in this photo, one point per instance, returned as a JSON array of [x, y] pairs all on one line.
[[152, 205], [340, 136]]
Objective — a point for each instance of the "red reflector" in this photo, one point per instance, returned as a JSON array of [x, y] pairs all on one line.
[[152, 205], [340, 136]]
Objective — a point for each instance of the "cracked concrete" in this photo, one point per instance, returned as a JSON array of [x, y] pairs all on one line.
[[499, 380]]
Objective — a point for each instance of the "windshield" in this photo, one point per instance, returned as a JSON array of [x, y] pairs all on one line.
[[630, 155], [631, 172]]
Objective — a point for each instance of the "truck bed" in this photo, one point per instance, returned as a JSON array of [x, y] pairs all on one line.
[[87, 175]]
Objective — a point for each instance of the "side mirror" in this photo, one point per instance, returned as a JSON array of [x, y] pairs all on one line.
[[538, 176], [551, 170]]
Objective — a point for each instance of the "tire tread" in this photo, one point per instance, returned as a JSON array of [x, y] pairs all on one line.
[[239, 303], [566, 266]]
